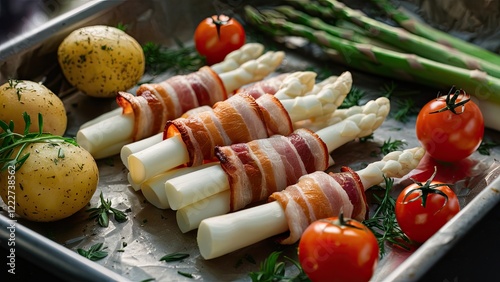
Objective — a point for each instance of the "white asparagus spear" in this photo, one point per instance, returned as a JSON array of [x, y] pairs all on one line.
[[213, 180], [97, 137], [235, 59], [169, 153], [152, 188], [317, 123], [223, 234], [130, 148]]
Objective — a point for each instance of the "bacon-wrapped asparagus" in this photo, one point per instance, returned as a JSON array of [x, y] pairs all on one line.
[[251, 172], [145, 113], [315, 196], [241, 118]]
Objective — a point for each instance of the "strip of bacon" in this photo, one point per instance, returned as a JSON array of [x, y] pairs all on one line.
[[266, 86], [172, 98], [321, 195], [260, 167]]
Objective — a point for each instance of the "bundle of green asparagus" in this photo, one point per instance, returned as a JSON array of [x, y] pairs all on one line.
[[413, 52]]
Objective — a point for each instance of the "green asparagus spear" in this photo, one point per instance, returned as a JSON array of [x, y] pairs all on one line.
[[409, 42], [417, 27], [475, 82], [351, 34]]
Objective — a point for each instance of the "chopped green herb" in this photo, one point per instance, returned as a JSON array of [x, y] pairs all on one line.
[[185, 274], [246, 257], [353, 98], [273, 270], [121, 26], [388, 90], [391, 146], [486, 146], [366, 138], [94, 253], [179, 60], [174, 257], [404, 109], [101, 213], [13, 84]]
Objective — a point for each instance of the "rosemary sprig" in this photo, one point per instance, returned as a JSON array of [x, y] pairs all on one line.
[[404, 109], [353, 98], [273, 270], [101, 212], [182, 59], [388, 90], [12, 140], [383, 221], [391, 146], [94, 253]]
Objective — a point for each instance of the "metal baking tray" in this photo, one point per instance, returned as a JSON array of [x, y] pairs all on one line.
[[150, 232]]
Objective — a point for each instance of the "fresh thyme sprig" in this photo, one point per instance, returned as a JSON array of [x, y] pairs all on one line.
[[94, 253], [12, 140], [273, 270], [383, 221], [183, 59], [101, 212]]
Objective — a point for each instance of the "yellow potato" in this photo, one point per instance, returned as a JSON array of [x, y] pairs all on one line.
[[57, 180], [19, 96], [101, 60]]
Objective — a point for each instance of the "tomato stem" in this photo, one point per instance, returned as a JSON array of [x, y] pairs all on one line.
[[219, 23], [426, 189], [451, 101], [341, 221]]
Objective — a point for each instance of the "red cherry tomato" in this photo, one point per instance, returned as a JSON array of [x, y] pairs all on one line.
[[423, 208], [217, 36], [450, 127], [337, 249]]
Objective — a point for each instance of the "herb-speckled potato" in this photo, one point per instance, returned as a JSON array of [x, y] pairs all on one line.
[[19, 96], [101, 60], [57, 180]]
